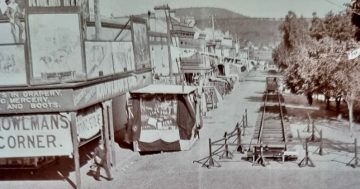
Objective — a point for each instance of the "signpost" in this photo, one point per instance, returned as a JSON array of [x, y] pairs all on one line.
[[354, 54]]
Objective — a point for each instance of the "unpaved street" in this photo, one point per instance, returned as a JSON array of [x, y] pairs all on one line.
[[177, 170]]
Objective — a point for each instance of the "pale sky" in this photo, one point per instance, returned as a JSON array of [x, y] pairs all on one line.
[[253, 8]]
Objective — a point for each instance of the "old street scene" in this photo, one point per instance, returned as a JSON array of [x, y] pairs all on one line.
[[179, 94]]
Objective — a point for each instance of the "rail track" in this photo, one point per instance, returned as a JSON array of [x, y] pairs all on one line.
[[271, 134], [271, 129]]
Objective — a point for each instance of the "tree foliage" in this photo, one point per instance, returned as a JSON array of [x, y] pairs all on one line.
[[313, 56]]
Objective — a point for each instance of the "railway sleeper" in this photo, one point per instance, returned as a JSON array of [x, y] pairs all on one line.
[[272, 152]]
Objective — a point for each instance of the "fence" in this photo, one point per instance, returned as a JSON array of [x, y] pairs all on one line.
[[222, 150], [234, 138], [316, 138]]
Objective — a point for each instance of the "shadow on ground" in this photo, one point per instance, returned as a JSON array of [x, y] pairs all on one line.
[[57, 170], [62, 167]]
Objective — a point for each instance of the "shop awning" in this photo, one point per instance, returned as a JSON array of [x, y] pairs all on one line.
[[217, 79], [165, 89]]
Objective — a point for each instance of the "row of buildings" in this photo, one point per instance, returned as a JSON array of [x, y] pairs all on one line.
[[67, 76]]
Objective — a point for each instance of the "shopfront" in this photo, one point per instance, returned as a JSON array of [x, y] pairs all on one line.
[[166, 118], [60, 85]]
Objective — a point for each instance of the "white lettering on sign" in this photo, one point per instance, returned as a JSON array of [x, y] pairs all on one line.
[[85, 95], [354, 54], [35, 135], [111, 88], [30, 99], [89, 123], [53, 3]]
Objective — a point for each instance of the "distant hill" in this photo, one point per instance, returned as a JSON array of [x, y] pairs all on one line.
[[261, 31], [201, 13]]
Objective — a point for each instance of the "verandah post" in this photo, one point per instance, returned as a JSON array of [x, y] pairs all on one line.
[[76, 155]]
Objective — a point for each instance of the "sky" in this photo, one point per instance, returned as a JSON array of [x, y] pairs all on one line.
[[252, 8]]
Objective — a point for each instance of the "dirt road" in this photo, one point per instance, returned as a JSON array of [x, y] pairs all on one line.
[[177, 170]]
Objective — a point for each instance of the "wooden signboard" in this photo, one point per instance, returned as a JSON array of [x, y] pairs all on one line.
[[141, 44], [12, 65], [35, 135], [56, 50]]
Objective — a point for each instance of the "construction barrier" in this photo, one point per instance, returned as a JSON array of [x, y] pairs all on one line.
[[259, 153], [232, 138]]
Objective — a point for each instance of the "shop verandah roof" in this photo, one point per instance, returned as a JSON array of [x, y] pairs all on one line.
[[166, 89]]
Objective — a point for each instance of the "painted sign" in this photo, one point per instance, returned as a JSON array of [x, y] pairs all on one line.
[[6, 7], [123, 56], [220, 86], [55, 46], [35, 101], [159, 113], [99, 60], [12, 12], [35, 135], [89, 122], [12, 65], [90, 95], [159, 119], [210, 95], [54, 3], [106, 58], [159, 58], [31, 101], [141, 46], [354, 54]]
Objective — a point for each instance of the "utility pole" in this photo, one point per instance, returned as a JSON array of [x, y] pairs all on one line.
[[168, 19], [97, 19], [84, 16], [213, 33], [213, 27]]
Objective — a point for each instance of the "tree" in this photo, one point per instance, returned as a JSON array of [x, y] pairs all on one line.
[[295, 31], [313, 59], [348, 75], [317, 28], [294, 55], [336, 74], [355, 17]]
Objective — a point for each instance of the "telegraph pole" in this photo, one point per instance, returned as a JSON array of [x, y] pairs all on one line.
[[213, 27], [84, 16], [97, 19]]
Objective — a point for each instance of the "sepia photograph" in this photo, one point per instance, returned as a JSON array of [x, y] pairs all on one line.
[[175, 94]]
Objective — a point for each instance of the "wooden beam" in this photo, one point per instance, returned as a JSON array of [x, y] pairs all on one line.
[[112, 134], [107, 24], [76, 155], [106, 132]]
